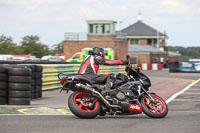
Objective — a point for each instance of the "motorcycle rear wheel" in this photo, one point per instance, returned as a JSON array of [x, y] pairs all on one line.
[[159, 110], [75, 103]]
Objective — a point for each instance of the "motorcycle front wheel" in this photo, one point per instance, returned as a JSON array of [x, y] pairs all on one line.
[[158, 110], [77, 104]]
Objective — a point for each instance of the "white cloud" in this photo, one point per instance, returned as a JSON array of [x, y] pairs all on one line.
[[90, 1], [25, 2], [198, 11], [124, 8], [37, 17], [160, 20], [176, 5], [196, 0], [86, 11]]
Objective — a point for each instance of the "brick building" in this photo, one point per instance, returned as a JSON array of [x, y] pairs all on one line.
[[140, 33], [146, 54], [139, 40], [146, 44], [100, 33]]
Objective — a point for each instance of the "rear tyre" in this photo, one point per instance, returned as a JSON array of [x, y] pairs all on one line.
[[75, 105], [159, 110]]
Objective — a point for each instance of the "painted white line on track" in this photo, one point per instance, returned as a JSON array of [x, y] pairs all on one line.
[[187, 100], [194, 89], [192, 93], [180, 92]]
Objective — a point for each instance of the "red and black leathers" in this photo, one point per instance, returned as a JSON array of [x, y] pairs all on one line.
[[90, 65]]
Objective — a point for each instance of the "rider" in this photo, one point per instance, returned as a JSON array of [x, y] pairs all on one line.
[[90, 65]]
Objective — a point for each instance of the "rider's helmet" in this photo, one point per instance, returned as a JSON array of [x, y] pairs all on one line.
[[98, 51]]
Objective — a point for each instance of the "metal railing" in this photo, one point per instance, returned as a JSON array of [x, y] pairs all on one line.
[[75, 36]]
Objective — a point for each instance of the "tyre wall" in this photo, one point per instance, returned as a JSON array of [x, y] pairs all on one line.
[[20, 83]]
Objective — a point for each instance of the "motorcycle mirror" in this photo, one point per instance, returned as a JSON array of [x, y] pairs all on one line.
[[127, 56]]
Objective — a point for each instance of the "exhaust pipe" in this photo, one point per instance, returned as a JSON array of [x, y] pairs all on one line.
[[91, 90]]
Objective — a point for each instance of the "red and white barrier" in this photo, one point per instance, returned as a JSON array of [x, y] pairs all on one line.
[[153, 66]]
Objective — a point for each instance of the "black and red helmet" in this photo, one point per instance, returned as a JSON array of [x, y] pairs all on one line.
[[98, 51]]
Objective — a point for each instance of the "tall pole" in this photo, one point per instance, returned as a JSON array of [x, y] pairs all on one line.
[[157, 39]]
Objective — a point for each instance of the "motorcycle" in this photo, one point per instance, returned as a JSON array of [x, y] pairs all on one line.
[[128, 96]]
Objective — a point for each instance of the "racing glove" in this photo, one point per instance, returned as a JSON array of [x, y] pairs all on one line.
[[125, 62]]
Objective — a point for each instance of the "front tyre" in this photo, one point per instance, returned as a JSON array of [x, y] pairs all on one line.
[[77, 104], [158, 110]]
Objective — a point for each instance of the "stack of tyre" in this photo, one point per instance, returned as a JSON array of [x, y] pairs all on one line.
[[3, 86], [19, 85], [36, 88]]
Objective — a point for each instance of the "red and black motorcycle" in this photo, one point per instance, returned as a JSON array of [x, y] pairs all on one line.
[[129, 95]]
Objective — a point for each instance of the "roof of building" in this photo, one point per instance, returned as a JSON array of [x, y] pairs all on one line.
[[100, 21], [140, 29], [144, 49], [173, 54]]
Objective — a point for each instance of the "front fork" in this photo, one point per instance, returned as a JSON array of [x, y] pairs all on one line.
[[152, 99]]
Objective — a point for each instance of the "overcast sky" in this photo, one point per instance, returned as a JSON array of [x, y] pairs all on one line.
[[50, 19]]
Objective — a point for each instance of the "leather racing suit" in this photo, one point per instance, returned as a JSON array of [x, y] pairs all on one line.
[[89, 69]]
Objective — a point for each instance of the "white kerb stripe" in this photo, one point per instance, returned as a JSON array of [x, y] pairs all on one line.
[[144, 66], [154, 66]]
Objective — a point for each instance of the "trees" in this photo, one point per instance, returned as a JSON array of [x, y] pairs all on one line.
[[187, 53], [57, 48], [7, 46], [31, 44]]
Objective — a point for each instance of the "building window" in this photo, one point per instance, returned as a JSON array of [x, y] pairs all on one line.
[[152, 42], [102, 28], [99, 28], [134, 41], [96, 28], [91, 28], [107, 28]]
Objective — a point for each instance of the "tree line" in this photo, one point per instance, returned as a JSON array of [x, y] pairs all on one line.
[[186, 52], [29, 44]]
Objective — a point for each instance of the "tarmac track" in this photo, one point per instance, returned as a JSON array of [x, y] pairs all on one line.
[[183, 117]]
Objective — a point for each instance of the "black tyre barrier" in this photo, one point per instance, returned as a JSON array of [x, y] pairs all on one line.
[[35, 89], [19, 87], [19, 79], [36, 95], [3, 77], [3, 93], [19, 94], [3, 70], [36, 62], [3, 85], [3, 101], [19, 72], [36, 82], [38, 68], [19, 101], [36, 75], [174, 67]]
